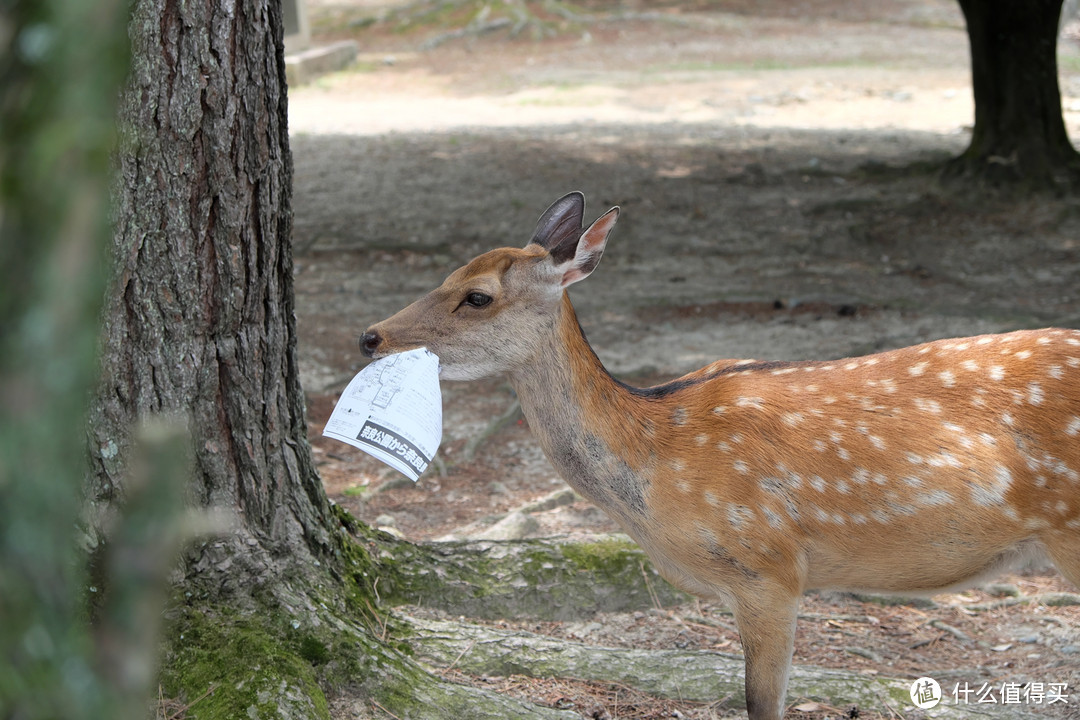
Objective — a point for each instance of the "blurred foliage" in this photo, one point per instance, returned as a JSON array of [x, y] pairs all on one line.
[[61, 66]]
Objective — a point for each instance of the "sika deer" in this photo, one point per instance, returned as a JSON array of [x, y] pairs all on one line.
[[911, 470]]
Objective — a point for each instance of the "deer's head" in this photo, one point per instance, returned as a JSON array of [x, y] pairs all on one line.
[[497, 312]]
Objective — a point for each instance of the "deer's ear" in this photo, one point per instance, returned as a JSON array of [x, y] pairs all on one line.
[[589, 249], [559, 228]]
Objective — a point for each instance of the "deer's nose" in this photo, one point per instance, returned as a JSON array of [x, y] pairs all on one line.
[[369, 343]]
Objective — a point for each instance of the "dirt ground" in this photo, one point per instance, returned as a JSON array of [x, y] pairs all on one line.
[[777, 171]]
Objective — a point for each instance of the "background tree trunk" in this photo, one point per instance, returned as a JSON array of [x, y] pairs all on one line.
[[1019, 134], [200, 321]]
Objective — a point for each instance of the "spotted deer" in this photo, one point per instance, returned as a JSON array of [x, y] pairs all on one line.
[[905, 471]]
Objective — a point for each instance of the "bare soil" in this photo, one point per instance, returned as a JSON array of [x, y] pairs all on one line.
[[778, 173]]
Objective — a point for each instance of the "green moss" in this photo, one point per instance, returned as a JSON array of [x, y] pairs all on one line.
[[313, 650], [225, 667], [605, 557]]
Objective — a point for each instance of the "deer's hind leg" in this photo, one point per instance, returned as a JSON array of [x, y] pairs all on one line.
[[766, 620]]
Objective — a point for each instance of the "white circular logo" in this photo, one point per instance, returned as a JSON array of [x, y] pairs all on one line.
[[925, 693]]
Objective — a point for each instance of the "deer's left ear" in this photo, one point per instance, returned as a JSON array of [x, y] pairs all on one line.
[[590, 248]]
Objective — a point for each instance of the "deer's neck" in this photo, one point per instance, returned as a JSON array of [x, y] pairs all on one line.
[[594, 430]]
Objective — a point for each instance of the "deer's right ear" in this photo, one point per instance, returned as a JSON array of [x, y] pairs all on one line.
[[559, 228], [589, 249]]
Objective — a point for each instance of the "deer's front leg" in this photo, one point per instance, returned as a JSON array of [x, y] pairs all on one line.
[[766, 618]]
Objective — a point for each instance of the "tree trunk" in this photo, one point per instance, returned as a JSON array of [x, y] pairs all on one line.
[[1019, 135], [199, 322]]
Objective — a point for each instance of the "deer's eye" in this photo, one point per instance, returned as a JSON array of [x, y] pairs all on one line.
[[477, 299]]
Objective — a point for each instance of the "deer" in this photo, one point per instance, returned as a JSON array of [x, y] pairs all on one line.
[[910, 471]]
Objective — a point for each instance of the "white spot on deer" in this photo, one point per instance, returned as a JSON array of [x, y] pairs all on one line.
[[925, 349], [710, 497], [773, 518], [851, 365], [994, 494], [820, 514], [1035, 393], [839, 422], [755, 403], [679, 416], [842, 487], [701, 439], [970, 365], [877, 442], [1007, 418], [860, 476], [737, 438], [784, 371], [811, 388], [913, 481], [817, 483], [843, 454], [1043, 340], [740, 467], [985, 340], [739, 516], [1072, 429], [987, 439], [963, 346], [792, 419], [1072, 341], [917, 369], [927, 405], [935, 498], [1062, 507], [1072, 361], [947, 378], [858, 518], [888, 385], [820, 446], [1023, 354], [1056, 372], [719, 409], [946, 458], [835, 436], [871, 361], [913, 458], [828, 399], [881, 516], [678, 465], [952, 427], [723, 447], [997, 372], [879, 479], [683, 485]]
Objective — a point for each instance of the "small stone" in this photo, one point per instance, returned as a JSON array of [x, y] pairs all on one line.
[[386, 521], [515, 526]]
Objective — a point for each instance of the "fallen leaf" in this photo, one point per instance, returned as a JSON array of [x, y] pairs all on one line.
[[809, 707]]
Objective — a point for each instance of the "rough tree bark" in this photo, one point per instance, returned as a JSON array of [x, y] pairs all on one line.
[[200, 318], [1019, 135]]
